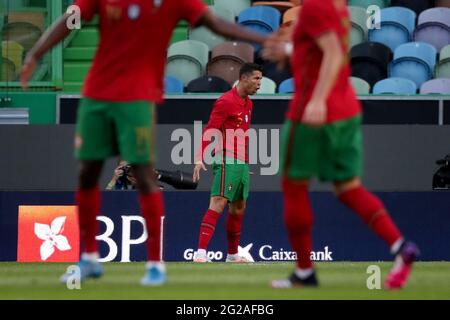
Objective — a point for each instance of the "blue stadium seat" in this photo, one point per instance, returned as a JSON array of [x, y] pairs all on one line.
[[173, 85], [261, 19], [396, 27], [395, 86], [415, 61], [267, 17], [287, 86]]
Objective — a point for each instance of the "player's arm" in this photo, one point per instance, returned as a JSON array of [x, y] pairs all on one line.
[[228, 29], [216, 121], [333, 57], [55, 34]]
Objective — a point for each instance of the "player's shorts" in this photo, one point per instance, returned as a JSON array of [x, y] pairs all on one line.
[[106, 129], [332, 152], [231, 180]]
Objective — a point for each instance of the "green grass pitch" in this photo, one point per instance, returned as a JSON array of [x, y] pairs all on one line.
[[189, 281]]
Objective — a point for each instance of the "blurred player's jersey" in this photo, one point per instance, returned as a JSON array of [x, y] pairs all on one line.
[[134, 36], [318, 17], [231, 115]]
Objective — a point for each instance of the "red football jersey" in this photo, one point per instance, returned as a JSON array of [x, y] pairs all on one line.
[[231, 115], [134, 36], [316, 18]]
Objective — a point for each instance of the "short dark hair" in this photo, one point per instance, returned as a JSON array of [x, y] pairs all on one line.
[[249, 68]]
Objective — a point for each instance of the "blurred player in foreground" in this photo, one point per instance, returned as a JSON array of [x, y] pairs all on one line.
[[322, 137], [231, 115], [116, 114]]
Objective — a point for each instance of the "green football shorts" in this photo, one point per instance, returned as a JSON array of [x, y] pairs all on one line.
[[231, 180], [108, 128], [332, 152]]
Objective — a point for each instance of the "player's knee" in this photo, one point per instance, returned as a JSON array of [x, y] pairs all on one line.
[[218, 204], [237, 208], [344, 186], [237, 211]]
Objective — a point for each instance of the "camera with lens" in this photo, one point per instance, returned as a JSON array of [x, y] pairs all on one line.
[[441, 178], [177, 179]]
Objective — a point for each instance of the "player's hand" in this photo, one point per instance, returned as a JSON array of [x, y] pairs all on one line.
[[118, 172], [315, 113], [28, 68], [198, 167], [275, 49]]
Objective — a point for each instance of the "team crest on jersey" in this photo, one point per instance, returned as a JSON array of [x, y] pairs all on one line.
[[157, 3], [246, 118], [230, 187], [134, 11]]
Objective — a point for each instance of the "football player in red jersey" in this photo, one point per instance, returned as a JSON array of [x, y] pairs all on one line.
[[231, 115], [322, 137], [119, 93]]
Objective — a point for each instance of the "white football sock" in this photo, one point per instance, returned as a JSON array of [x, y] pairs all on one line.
[[91, 256], [201, 252], [304, 273], [396, 246]]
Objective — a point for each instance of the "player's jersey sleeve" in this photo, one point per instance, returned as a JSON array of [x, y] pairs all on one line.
[[192, 10], [317, 17], [218, 115], [88, 8], [217, 119]]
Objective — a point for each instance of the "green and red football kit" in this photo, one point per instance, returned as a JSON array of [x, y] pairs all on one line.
[[331, 152], [231, 116]]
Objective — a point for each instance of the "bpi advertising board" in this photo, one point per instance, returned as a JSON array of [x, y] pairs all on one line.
[[43, 227]]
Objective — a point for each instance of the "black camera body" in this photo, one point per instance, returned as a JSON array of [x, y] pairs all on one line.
[[441, 178], [126, 173]]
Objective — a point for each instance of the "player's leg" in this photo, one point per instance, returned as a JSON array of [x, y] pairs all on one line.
[[93, 144], [134, 122], [234, 226], [372, 211], [301, 154], [241, 187], [217, 205], [222, 191], [298, 219], [88, 201], [345, 169], [152, 207]]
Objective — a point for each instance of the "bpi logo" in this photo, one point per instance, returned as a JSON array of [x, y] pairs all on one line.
[[48, 234]]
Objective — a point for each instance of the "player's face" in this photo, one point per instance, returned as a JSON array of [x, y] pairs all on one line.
[[253, 82]]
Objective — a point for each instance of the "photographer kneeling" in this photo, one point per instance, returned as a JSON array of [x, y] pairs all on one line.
[[122, 178]]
